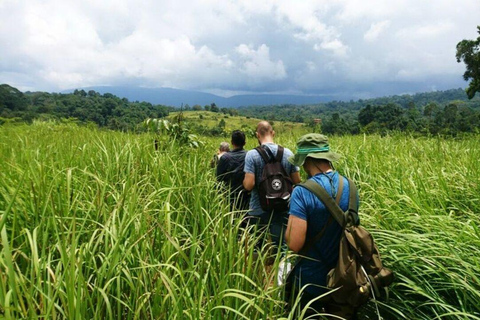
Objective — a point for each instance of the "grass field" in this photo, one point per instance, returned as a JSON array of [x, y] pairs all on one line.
[[98, 225], [210, 120]]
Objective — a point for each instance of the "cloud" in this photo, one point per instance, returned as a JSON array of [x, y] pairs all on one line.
[[245, 46], [375, 30], [257, 65], [423, 31], [308, 21]]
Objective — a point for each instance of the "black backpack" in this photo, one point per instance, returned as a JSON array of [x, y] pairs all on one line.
[[275, 186]]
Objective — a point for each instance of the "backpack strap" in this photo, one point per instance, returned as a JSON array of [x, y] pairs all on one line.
[[319, 235], [279, 154], [340, 190], [350, 217], [268, 156], [327, 200], [263, 154], [352, 213]]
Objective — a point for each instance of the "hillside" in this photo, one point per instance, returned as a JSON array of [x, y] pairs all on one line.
[[213, 123], [350, 109], [443, 112]]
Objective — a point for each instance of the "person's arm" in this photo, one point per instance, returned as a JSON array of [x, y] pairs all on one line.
[[296, 233], [249, 181], [249, 169], [295, 176]]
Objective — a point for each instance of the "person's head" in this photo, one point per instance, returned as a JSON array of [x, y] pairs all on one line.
[[224, 147], [238, 138], [264, 132], [313, 153]]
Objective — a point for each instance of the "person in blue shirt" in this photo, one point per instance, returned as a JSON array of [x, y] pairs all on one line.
[[308, 216]]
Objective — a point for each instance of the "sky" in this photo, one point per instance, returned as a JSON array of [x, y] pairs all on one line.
[[365, 48]]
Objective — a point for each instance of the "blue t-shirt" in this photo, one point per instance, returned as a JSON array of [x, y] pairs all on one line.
[[323, 255], [254, 164]]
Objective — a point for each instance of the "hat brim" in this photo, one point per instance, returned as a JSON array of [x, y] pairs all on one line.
[[299, 159]]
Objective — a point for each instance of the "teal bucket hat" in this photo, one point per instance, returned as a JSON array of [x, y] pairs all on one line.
[[313, 145]]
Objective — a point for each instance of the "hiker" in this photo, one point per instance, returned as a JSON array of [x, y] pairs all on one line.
[[254, 164], [230, 171], [312, 231], [222, 149]]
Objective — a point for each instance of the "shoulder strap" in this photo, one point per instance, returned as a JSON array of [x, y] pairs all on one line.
[[352, 213], [343, 218], [329, 221], [263, 154], [327, 200], [279, 154], [268, 156], [340, 190]]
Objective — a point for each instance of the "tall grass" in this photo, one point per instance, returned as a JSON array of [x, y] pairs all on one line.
[[97, 224]]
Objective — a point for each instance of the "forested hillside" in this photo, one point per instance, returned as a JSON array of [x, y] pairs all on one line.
[[445, 112], [442, 112], [104, 110]]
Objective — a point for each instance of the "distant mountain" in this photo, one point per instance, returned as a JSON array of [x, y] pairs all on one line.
[[177, 97]]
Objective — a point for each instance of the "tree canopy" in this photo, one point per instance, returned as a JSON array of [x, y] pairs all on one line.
[[468, 51], [105, 110]]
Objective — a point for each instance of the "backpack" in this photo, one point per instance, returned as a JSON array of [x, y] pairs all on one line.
[[275, 186], [359, 273]]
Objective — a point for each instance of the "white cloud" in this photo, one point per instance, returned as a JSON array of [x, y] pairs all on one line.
[[336, 46], [308, 20], [375, 30], [231, 46], [423, 30], [257, 64]]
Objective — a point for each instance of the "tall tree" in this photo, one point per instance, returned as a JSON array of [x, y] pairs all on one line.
[[468, 51]]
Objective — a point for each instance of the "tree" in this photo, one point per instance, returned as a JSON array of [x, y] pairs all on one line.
[[366, 115], [11, 98], [214, 108], [222, 124], [468, 51]]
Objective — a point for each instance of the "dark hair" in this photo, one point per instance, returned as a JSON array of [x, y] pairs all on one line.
[[238, 138]]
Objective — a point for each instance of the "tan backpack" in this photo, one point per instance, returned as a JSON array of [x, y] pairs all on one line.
[[359, 274]]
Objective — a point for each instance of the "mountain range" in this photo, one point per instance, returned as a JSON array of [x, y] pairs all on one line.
[[177, 97]]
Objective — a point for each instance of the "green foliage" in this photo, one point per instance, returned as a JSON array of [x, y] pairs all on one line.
[[11, 100], [407, 109], [177, 133], [104, 110], [426, 113], [468, 51], [450, 120], [101, 226], [222, 124]]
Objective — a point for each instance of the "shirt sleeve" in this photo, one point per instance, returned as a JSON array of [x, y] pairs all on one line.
[[222, 168], [291, 167], [249, 163], [298, 206]]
